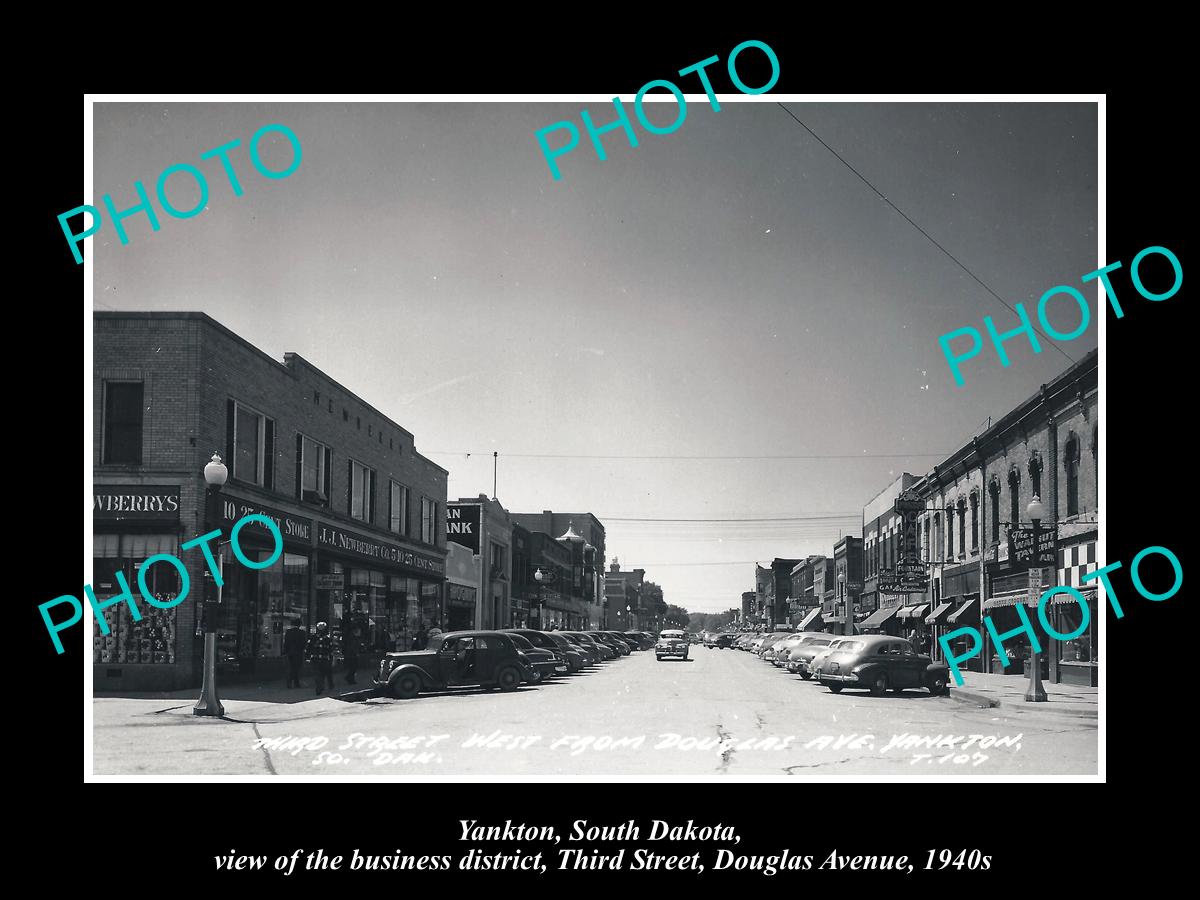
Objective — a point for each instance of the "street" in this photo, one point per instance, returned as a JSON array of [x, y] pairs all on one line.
[[721, 712]]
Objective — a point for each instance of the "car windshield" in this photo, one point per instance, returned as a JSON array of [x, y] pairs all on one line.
[[820, 642], [522, 642]]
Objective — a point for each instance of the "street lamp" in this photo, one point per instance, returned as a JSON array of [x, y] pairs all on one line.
[[540, 577], [209, 704], [1035, 693]]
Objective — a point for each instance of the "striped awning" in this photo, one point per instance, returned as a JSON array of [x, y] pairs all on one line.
[[918, 611], [813, 615], [967, 614], [877, 618], [905, 612], [938, 613]]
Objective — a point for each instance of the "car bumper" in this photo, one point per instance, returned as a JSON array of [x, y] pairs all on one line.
[[841, 679]]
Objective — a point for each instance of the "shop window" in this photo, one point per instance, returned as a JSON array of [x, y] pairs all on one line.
[[312, 470], [250, 437], [397, 508], [153, 638], [123, 422], [1071, 452], [362, 492]]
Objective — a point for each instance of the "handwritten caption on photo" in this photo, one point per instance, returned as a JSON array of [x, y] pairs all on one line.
[[382, 750]]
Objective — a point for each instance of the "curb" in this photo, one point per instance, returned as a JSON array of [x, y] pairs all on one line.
[[984, 702]]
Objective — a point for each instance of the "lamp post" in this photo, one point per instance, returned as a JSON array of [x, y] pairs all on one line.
[[539, 576], [209, 704], [1035, 693]]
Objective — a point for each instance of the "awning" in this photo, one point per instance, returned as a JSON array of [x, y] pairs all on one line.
[[877, 618], [813, 615], [918, 611], [967, 614], [937, 614]]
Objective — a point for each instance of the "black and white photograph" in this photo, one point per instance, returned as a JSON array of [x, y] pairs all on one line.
[[505, 439]]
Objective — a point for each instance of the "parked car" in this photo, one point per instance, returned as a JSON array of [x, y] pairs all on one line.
[[541, 662], [546, 640], [628, 639], [744, 642], [618, 640], [671, 642], [584, 638], [619, 648], [804, 652], [456, 659], [878, 662], [777, 655], [770, 641], [644, 638], [591, 653], [720, 641]]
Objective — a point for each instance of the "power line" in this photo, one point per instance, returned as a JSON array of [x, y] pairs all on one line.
[[928, 236], [488, 453], [833, 516]]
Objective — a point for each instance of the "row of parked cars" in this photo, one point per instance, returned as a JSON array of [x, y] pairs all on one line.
[[876, 662], [503, 659]]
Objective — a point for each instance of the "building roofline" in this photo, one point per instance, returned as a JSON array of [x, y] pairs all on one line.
[[284, 365]]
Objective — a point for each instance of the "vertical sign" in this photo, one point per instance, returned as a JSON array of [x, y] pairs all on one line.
[[463, 521]]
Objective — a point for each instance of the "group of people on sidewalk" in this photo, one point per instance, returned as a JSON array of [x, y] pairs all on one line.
[[317, 649]]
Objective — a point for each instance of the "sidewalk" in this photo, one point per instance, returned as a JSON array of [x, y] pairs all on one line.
[[1009, 690], [257, 692]]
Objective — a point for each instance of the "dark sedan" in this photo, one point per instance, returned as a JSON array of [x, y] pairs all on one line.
[[575, 658], [542, 662], [457, 659], [878, 662]]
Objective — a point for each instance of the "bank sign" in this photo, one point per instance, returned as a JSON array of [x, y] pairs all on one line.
[[463, 522]]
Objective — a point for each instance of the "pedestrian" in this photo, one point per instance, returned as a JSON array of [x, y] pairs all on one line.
[[294, 641], [320, 654], [350, 649], [421, 638]]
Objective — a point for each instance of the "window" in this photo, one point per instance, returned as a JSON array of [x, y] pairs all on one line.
[[1035, 473], [398, 508], [123, 422], [994, 492], [1014, 496], [937, 534], [428, 520], [974, 520], [925, 544], [312, 469], [251, 439], [1072, 454], [498, 559], [962, 526], [950, 531], [362, 492]]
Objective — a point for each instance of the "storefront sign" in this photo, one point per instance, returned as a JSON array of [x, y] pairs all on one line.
[[293, 528], [329, 581], [463, 523], [333, 538], [1021, 553], [1035, 586], [138, 501]]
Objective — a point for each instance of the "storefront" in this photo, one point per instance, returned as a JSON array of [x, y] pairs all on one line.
[[258, 605], [130, 524], [1076, 661], [385, 593]]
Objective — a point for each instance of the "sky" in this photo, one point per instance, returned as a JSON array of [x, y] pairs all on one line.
[[728, 290]]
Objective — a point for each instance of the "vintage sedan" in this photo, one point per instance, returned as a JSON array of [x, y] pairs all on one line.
[[878, 662], [803, 653], [542, 662], [456, 659], [554, 642], [585, 639], [671, 642], [719, 641]]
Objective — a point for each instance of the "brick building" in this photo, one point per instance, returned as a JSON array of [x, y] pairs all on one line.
[[1048, 445], [587, 554], [881, 535], [360, 510], [484, 527]]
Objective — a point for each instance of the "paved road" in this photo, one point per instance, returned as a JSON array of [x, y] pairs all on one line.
[[723, 712]]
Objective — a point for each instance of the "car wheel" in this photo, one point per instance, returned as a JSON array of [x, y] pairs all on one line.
[[509, 678], [406, 686], [834, 687], [806, 675], [879, 684], [938, 686], [659, 658], [897, 690]]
